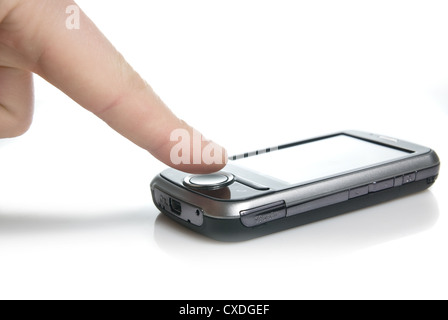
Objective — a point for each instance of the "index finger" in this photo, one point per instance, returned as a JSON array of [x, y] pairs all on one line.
[[79, 60]]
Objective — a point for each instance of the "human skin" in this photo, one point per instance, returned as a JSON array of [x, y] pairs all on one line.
[[34, 39]]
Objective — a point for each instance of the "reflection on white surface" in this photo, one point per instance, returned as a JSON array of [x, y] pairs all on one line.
[[14, 225], [334, 236]]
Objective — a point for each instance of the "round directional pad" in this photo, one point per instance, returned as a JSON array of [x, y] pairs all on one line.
[[209, 181]]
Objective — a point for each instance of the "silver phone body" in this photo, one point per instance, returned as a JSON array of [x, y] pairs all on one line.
[[274, 189]]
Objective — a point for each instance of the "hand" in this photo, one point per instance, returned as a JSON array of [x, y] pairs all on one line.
[[34, 38]]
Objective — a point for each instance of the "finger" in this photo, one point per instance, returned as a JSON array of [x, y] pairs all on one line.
[[80, 61], [16, 101]]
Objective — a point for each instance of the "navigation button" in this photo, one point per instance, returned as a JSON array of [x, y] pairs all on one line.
[[358, 192], [209, 181]]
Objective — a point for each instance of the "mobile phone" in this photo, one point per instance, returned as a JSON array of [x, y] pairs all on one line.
[[274, 189]]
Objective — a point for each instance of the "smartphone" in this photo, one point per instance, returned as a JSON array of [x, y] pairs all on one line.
[[274, 189]]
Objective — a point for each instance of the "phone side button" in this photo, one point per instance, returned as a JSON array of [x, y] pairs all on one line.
[[408, 178], [381, 185], [261, 215], [358, 192], [398, 181]]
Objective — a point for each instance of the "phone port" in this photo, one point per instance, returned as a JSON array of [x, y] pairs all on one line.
[[175, 206]]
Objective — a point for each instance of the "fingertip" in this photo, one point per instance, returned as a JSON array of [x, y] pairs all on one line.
[[188, 151], [214, 158], [199, 169]]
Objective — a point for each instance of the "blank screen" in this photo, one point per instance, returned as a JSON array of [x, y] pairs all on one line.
[[320, 159]]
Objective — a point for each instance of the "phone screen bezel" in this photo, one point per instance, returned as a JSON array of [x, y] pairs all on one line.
[[411, 150]]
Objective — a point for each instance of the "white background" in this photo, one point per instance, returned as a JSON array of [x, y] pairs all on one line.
[[76, 215]]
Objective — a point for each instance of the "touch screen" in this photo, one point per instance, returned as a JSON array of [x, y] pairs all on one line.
[[320, 159]]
